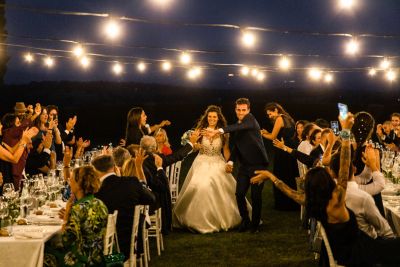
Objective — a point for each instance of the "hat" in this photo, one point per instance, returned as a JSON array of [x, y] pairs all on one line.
[[20, 107]]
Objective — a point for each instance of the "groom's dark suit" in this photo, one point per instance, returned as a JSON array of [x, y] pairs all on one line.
[[248, 148]]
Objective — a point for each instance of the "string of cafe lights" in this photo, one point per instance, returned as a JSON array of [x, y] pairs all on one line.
[[113, 31]]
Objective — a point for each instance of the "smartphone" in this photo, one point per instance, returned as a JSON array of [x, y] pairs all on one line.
[[335, 127], [343, 110]]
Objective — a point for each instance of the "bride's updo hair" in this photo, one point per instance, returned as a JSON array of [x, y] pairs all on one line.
[[203, 122]]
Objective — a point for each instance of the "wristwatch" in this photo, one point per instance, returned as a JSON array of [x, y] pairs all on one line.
[[345, 134]]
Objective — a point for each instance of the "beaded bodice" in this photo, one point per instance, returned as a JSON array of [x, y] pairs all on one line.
[[211, 147]]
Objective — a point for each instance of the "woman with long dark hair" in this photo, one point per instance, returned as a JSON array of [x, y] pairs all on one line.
[[137, 127], [207, 201], [284, 165]]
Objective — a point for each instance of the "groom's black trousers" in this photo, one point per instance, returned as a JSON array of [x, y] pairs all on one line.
[[243, 184]]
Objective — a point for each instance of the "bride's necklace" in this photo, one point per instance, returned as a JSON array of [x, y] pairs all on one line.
[[211, 139]]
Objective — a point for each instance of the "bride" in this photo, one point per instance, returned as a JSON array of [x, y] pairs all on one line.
[[207, 201]]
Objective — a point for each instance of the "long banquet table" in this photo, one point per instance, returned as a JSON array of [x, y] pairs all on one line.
[[391, 202], [25, 247]]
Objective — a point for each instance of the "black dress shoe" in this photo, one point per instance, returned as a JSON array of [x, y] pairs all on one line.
[[244, 225]]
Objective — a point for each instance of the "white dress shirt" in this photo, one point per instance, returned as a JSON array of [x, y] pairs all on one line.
[[306, 147], [378, 181], [369, 220]]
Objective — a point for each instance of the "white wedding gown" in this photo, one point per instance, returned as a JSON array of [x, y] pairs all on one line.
[[207, 201]]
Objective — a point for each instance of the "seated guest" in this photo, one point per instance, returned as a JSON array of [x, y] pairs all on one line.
[[120, 155], [156, 177], [85, 222], [122, 194]]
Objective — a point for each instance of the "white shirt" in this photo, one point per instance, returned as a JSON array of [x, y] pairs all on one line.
[[369, 220], [378, 181], [305, 147], [102, 178]]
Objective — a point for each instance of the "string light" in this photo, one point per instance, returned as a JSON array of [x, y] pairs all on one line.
[[248, 39], [78, 51], [346, 4], [112, 30], [49, 62], [254, 72], [372, 72], [385, 64], [245, 71], [284, 63], [166, 66], [85, 62], [28, 57], [185, 58], [141, 67], [352, 47], [117, 68], [260, 76], [161, 3], [391, 75], [315, 74], [328, 78], [194, 73]]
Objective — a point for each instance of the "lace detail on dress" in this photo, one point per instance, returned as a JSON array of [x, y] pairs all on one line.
[[211, 148]]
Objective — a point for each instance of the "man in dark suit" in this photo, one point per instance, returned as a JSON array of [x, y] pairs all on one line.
[[156, 177], [122, 194], [249, 150]]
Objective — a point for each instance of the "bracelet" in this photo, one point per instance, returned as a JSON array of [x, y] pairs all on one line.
[[66, 167], [345, 134]]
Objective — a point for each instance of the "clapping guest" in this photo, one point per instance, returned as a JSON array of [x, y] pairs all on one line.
[[41, 159], [85, 223], [12, 134], [163, 146], [137, 127], [43, 123]]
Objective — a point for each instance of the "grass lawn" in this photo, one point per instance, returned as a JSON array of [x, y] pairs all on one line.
[[281, 242]]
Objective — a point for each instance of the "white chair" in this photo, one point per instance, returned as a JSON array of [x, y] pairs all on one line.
[[321, 230], [111, 234], [155, 230], [173, 171], [300, 188], [132, 261], [146, 245]]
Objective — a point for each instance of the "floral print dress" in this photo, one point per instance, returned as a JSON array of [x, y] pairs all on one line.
[[83, 236]]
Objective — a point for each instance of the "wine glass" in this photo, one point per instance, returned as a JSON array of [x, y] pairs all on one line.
[[8, 190]]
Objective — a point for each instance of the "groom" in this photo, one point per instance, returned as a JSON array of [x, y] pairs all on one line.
[[249, 150]]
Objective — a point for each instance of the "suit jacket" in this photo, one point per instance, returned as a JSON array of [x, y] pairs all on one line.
[[122, 194], [248, 146]]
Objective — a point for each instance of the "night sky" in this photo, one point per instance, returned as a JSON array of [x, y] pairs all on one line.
[[369, 16]]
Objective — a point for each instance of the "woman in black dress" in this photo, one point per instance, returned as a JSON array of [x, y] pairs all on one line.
[[285, 166]]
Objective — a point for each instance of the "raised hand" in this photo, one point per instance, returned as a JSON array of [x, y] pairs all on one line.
[[122, 142], [30, 132], [71, 123], [194, 137], [158, 161], [38, 109], [347, 123], [165, 123], [140, 156], [47, 139], [68, 152]]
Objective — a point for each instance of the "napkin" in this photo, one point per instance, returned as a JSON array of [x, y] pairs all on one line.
[[28, 235]]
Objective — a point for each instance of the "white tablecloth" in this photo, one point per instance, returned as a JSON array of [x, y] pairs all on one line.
[[391, 202], [29, 252]]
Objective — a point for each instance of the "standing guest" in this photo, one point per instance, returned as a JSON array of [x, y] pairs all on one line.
[[395, 120], [85, 222], [305, 146], [284, 165], [163, 146], [299, 127], [12, 135], [249, 150], [136, 126]]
